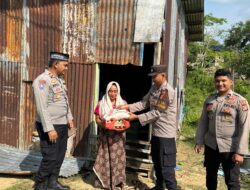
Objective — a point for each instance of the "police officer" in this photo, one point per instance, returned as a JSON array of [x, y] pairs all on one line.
[[223, 129], [52, 122], [161, 100]]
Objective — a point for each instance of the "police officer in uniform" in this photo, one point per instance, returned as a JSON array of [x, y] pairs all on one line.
[[224, 130], [161, 100], [52, 121]]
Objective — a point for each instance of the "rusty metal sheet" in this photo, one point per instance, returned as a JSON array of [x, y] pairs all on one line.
[[29, 110], [78, 19], [115, 28], [43, 33], [9, 102], [11, 21], [3, 19], [149, 20], [80, 82]]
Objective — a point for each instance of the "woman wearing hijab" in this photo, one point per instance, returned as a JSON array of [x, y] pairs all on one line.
[[111, 159]]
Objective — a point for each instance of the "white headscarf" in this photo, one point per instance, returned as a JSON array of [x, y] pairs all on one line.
[[105, 104]]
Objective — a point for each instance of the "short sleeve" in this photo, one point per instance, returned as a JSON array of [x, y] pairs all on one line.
[[97, 109]]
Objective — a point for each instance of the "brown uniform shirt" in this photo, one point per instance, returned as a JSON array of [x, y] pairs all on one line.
[[225, 123], [163, 108]]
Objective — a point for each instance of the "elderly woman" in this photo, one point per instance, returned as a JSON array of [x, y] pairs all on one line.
[[111, 160]]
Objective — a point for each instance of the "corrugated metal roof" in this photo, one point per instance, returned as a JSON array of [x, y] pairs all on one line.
[[14, 160], [194, 11]]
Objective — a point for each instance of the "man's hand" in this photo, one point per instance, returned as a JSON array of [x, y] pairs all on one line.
[[122, 107], [71, 124], [238, 159], [133, 117], [197, 148], [52, 136]]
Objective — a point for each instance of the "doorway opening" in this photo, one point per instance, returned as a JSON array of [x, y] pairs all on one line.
[[134, 83]]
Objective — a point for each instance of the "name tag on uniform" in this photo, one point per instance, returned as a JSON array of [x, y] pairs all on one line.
[[57, 89]]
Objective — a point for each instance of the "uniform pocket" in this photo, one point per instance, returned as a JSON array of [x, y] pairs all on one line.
[[169, 160]]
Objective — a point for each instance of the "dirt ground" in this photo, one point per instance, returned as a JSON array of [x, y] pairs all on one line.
[[190, 176]]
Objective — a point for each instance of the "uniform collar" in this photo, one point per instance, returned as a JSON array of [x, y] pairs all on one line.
[[50, 74], [230, 93], [219, 98], [163, 85]]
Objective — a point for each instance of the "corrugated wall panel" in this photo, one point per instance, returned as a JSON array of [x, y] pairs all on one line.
[[11, 30], [170, 61], [115, 26], [80, 82], [3, 12], [43, 33], [29, 115], [9, 102], [166, 34], [78, 22]]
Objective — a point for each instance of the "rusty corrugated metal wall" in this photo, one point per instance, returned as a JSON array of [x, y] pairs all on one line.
[[10, 79], [43, 33], [115, 26], [80, 83], [30, 29]]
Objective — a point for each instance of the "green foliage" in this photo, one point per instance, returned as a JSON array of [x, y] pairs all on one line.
[[210, 20], [239, 35], [242, 87], [199, 85]]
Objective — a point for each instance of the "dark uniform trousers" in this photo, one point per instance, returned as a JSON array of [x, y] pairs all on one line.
[[163, 153], [231, 170], [53, 153]]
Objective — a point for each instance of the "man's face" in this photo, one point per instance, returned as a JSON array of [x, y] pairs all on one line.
[[61, 67], [223, 84], [158, 79]]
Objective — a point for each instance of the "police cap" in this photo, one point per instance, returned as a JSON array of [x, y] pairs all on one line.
[[157, 69], [59, 56]]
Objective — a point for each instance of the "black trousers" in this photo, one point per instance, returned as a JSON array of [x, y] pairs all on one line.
[[163, 153], [231, 170], [53, 153]]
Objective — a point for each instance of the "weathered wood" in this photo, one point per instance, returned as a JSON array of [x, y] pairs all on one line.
[[128, 147]]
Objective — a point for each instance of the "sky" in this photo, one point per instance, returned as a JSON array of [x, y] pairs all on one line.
[[232, 10]]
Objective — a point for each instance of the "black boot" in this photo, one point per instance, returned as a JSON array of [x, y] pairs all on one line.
[[40, 185], [53, 184]]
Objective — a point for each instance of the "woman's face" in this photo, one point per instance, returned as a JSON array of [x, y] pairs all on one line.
[[113, 92]]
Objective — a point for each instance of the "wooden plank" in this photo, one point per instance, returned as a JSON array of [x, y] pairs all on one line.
[[138, 165], [140, 159], [128, 147], [139, 142]]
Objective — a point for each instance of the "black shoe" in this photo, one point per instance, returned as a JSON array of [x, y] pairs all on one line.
[[53, 184], [40, 185]]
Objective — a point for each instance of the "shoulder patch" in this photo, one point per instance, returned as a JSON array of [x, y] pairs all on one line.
[[244, 105], [41, 84]]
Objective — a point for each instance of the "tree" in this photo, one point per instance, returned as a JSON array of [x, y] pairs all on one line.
[[238, 43], [203, 52]]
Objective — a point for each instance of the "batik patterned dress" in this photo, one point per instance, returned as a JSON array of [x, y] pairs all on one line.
[[111, 158]]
